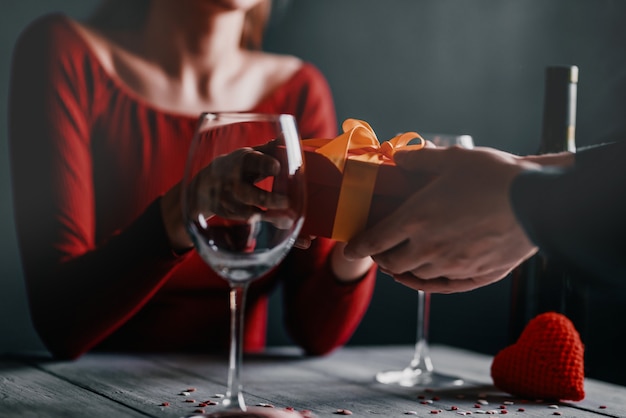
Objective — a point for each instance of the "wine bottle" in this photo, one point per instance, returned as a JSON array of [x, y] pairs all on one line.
[[540, 284]]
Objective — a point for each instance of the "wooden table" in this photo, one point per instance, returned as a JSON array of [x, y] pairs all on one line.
[[119, 385]]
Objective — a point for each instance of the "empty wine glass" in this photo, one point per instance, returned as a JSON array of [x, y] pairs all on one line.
[[420, 371], [243, 200]]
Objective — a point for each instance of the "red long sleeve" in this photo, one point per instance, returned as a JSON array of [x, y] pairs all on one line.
[[89, 161], [322, 313]]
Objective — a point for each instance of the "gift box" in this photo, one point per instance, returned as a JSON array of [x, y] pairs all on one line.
[[352, 182]]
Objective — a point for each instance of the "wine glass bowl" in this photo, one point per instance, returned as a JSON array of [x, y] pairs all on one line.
[[421, 372], [243, 203]]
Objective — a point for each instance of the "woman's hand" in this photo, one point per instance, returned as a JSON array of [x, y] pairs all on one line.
[[227, 187], [348, 270], [303, 242]]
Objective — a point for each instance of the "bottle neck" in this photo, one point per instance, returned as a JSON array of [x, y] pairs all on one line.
[[559, 115]]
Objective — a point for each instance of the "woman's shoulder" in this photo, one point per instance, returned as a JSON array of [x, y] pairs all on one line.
[[56, 40], [287, 74], [303, 91], [49, 30], [60, 36], [291, 68], [310, 74], [269, 69]]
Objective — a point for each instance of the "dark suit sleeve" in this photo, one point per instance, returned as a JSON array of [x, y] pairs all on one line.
[[578, 216]]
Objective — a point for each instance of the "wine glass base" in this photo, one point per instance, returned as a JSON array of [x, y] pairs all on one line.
[[251, 412], [409, 378]]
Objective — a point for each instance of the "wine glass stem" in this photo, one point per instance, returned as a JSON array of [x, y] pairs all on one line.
[[234, 395], [421, 357]]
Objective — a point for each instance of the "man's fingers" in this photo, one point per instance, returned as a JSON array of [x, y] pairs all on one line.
[[427, 159], [437, 285], [447, 285], [378, 239], [402, 258]]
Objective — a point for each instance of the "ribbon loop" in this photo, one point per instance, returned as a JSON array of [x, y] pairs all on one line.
[[359, 142]]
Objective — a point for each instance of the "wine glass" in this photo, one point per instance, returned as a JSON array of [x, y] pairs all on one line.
[[420, 371], [243, 201]]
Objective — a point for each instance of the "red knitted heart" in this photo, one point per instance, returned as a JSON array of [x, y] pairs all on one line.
[[546, 362]]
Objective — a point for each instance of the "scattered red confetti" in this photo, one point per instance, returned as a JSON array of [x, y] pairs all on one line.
[[191, 390], [476, 405], [454, 408], [520, 409], [434, 411], [189, 400], [502, 407], [504, 411], [290, 408], [602, 407], [165, 404]]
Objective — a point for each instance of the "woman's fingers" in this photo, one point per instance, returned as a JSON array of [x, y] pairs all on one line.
[[250, 194], [256, 166], [235, 188], [303, 243]]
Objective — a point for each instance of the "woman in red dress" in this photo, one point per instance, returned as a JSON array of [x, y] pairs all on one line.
[[101, 116]]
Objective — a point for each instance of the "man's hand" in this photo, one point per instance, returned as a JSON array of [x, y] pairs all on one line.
[[459, 231]]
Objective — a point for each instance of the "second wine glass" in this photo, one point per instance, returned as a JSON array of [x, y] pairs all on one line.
[[243, 200], [420, 372]]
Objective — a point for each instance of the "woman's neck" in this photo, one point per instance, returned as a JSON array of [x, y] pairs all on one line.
[[182, 60], [179, 38]]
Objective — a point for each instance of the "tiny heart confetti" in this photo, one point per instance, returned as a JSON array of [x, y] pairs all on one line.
[[546, 362]]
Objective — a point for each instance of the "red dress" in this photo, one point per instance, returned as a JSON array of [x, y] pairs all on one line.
[[89, 161]]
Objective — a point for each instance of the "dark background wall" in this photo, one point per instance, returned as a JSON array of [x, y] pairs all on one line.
[[455, 66]]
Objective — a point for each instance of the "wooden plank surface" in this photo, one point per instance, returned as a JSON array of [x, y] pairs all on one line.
[[107, 385], [142, 383], [27, 392]]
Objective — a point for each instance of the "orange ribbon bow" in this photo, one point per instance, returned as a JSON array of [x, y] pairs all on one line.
[[360, 139], [359, 143]]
